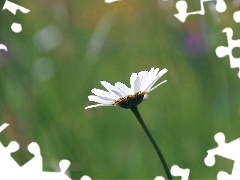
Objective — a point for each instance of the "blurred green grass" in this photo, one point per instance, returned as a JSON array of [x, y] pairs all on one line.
[[43, 93]]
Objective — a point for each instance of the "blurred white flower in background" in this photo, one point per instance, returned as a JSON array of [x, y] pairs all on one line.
[[43, 69], [47, 38]]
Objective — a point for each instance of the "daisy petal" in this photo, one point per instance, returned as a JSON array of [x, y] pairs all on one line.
[[99, 100], [144, 80], [151, 70], [132, 81], [157, 85], [112, 89], [96, 105], [99, 92], [162, 72], [123, 88], [153, 79], [106, 98], [151, 84], [137, 85], [153, 75], [147, 79], [145, 96], [141, 74]]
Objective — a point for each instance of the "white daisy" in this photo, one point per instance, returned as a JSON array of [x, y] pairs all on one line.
[[120, 95]]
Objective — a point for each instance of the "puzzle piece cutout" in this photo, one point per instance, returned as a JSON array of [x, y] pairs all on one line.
[[5, 156], [3, 126], [33, 169], [182, 9], [12, 7], [228, 150], [236, 16], [222, 51], [35, 164], [16, 27], [111, 1], [2, 46], [177, 171]]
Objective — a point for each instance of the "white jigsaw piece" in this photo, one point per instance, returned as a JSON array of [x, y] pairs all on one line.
[[7, 163], [177, 171], [222, 51], [182, 9], [3, 126], [5, 156], [35, 164], [227, 150], [64, 164], [12, 7], [236, 16], [111, 1], [33, 169]]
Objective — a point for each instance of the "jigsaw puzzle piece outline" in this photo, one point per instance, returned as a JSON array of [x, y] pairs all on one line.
[[227, 150], [12, 7], [35, 164], [5, 156], [182, 7], [111, 1], [236, 16], [85, 177], [5, 125], [177, 171], [33, 169], [222, 51]]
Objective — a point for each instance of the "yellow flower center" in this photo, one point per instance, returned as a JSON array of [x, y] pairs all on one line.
[[130, 101]]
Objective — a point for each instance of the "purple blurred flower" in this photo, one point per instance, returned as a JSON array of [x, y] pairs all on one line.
[[195, 39]]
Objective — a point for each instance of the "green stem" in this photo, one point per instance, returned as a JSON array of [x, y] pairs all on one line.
[[160, 155]]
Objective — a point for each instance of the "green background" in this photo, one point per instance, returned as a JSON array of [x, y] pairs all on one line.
[[43, 92]]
